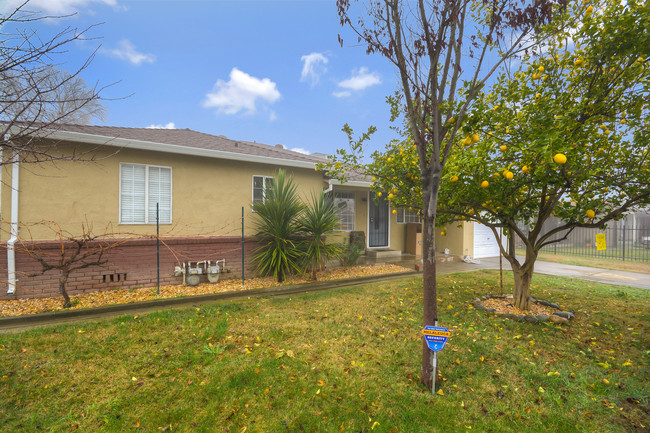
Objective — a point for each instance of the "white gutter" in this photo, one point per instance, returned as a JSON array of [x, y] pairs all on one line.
[[174, 148], [11, 252], [358, 183]]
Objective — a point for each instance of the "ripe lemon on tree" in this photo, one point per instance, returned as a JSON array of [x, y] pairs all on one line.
[[454, 178], [590, 213], [525, 169], [485, 184], [503, 147], [508, 175], [475, 138], [559, 158]]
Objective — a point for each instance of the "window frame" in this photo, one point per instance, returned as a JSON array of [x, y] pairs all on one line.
[[353, 197], [264, 187], [401, 211], [146, 194]]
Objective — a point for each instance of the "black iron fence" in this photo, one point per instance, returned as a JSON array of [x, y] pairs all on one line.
[[627, 239]]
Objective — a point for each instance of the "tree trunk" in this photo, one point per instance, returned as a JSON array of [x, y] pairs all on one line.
[[63, 279], [523, 275], [430, 306]]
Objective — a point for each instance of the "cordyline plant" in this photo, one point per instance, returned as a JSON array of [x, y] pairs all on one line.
[[292, 234], [317, 220], [277, 229], [440, 50]]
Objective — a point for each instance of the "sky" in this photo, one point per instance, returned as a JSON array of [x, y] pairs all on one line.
[[256, 70]]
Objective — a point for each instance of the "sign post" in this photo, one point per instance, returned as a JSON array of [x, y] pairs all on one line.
[[601, 242], [435, 337]]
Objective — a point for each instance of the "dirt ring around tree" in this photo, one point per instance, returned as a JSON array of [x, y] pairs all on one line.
[[540, 311]]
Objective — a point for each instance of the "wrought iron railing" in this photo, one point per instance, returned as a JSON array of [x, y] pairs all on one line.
[[627, 239]]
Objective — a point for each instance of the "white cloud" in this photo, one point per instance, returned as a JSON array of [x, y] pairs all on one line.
[[241, 93], [342, 94], [55, 7], [301, 150], [313, 67], [126, 51], [361, 79], [169, 125]]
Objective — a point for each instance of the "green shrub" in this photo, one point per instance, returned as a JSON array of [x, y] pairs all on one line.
[[349, 255]]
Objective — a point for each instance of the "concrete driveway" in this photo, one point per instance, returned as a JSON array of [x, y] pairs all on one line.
[[608, 276]]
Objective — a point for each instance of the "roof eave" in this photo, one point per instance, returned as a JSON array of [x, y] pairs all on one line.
[[174, 148]]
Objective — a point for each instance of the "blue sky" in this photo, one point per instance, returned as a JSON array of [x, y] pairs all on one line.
[[266, 71]]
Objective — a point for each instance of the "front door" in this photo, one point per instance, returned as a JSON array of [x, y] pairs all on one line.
[[377, 221]]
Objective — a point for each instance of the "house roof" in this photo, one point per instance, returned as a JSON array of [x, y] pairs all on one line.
[[184, 141]]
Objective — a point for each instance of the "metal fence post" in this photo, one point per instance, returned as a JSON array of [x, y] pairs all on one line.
[[623, 240]]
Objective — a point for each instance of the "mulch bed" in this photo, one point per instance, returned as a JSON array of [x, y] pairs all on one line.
[[19, 307]]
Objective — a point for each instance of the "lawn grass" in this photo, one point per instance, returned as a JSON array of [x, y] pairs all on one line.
[[344, 360], [595, 262]]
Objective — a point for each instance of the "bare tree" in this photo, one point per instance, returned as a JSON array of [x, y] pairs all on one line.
[[36, 94], [74, 253], [444, 52]]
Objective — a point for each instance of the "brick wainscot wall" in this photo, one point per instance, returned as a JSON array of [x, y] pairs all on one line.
[[129, 264]]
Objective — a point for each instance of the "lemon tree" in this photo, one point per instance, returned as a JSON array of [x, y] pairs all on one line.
[[440, 51], [565, 135]]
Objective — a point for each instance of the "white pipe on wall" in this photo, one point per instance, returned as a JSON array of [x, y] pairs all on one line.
[[11, 251]]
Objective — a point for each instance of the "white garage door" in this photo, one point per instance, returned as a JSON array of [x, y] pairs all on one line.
[[485, 243]]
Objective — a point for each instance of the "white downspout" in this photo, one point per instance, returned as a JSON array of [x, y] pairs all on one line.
[[11, 252], [329, 188]]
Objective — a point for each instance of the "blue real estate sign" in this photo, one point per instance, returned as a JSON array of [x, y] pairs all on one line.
[[436, 337]]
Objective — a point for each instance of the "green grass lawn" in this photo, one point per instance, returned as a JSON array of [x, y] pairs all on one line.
[[345, 360], [596, 262]]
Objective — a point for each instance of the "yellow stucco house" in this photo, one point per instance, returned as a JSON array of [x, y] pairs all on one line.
[[203, 185]]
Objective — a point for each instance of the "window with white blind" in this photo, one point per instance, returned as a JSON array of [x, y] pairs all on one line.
[[141, 188], [405, 216], [260, 185], [344, 205]]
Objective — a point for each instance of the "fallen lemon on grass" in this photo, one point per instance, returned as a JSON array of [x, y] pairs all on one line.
[[560, 158], [590, 213], [485, 184]]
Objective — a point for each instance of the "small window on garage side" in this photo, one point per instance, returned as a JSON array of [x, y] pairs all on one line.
[[405, 216]]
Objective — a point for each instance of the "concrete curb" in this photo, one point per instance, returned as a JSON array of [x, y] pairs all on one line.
[[53, 318]]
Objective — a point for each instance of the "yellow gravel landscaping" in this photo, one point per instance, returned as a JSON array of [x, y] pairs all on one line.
[[19, 307]]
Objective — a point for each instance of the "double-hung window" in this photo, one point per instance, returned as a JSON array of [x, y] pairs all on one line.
[[344, 205], [260, 185], [141, 188], [407, 216]]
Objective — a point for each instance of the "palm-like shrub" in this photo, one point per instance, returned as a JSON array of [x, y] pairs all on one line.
[[278, 230], [315, 222]]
